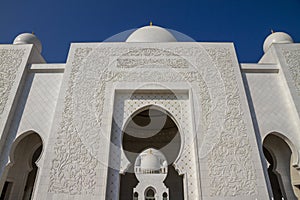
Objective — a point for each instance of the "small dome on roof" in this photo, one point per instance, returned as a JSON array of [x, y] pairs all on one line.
[[277, 37], [28, 38], [151, 34], [150, 161]]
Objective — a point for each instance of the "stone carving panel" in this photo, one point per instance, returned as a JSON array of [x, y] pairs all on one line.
[[102, 72], [231, 168], [10, 61], [82, 134], [73, 168], [153, 57], [292, 58], [159, 62]]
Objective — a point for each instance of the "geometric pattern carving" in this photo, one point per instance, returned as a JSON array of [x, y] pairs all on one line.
[[10, 61]]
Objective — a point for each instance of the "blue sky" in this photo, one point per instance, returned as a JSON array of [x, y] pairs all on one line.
[[57, 23]]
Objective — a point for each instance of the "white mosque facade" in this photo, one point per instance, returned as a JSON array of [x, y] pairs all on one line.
[[151, 116]]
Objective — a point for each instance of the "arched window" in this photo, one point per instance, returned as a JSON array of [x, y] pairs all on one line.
[[150, 194], [165, 196], [135, 196]]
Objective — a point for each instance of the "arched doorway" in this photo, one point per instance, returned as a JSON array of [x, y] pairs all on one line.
[[278, 155], [149, 194], [275, 179], [20, 179], [151, 127], [165, 196], [135, 196]]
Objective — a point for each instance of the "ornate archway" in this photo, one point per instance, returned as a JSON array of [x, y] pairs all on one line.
[[22, 169], [278, 154], [151, 127]]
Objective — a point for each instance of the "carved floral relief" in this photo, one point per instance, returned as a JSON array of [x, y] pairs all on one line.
[[10, 61], [292, 58], [224, 141]]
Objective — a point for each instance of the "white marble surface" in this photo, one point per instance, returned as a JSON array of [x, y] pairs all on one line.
[[71, 106]]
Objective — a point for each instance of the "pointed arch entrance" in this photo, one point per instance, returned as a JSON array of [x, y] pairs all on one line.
[[151, 127], [22, 169], [150, 194], [281, 173]]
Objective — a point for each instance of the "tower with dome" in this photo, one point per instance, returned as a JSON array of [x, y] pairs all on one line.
[[150, 114]]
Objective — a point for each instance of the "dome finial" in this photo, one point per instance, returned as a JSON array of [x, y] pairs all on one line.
[[272, 31], [151, 23]]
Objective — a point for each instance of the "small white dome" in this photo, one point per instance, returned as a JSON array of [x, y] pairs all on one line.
[[28, 38], [151, 34], [277, 37], [150, 162]]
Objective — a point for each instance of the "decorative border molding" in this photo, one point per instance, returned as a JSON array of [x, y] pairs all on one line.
[[153, 57]]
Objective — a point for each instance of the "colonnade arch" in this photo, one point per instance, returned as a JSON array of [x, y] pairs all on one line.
[[20, 173], [279, 153]]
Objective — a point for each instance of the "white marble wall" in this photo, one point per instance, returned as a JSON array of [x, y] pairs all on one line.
[[275, 96], [78, 147], [71, 107]]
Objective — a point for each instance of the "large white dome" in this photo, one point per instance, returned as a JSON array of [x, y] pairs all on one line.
[[151, 34], [277, 37], [150, 162]]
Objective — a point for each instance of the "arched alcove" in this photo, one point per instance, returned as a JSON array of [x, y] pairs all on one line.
[[165, 196], [278, 154], [135, 196], [150, 127], [274, 176], [21, 175], [150, 194]]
